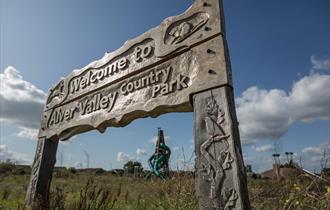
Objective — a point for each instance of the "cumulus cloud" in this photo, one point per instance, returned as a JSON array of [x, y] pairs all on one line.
[[265, 148], [310, 98], [268, 114], [7, 154], [27, 133], [123, 157], [315, 158], [320, 63], [259, 164], [21, 102], [316, 150], [140, 153]]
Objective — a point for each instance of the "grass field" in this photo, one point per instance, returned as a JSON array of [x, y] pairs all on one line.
[[107, 191]]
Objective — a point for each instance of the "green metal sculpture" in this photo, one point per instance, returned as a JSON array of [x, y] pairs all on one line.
[[158, 162]]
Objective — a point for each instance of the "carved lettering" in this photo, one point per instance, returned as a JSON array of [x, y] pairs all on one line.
[[150, 79], [60, 115], [141, 53], [98, 102], [165, 88], [74, 85], [96, 75], [87, 106], [180, 82]]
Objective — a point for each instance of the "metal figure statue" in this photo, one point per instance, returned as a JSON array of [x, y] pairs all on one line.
[[158, 162]]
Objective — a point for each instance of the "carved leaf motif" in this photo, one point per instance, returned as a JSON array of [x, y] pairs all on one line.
[[182, 29], [228, 161], [220, 118], [230, 203], [214, 168]]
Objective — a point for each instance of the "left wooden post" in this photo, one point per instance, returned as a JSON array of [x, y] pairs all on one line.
[[41, 174]]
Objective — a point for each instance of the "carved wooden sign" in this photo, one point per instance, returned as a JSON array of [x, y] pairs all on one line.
[[180, 66], [152, 74]]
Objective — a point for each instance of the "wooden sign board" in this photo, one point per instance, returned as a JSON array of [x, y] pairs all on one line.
[[150, 75]]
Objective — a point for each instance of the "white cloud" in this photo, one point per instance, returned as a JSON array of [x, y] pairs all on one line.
[[154, 139], [320, 63], [313, 158], [259, 164], [21, 102], [265, 148], [7, 154], [312, 151], [262, 114], [310, 98], [123, 157], [28, 133], [268, 114], [140, 153]]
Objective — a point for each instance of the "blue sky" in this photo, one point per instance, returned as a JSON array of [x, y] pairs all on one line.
[[280, 55]]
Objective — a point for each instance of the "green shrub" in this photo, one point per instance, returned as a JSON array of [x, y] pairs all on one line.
[[7, 167], [72, 170]]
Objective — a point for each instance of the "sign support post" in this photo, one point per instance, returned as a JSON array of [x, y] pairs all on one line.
[[220, 174], [41, 174]]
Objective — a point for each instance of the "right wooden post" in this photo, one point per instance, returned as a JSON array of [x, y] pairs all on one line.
[[220, 173]]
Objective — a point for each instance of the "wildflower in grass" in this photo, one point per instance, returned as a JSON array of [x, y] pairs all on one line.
[[297, 202], [287, 200], [328, 191]]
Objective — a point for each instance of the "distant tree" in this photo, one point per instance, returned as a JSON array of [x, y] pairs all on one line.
[[130, 165], [72, 170], [325, 157], [7, 166]]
